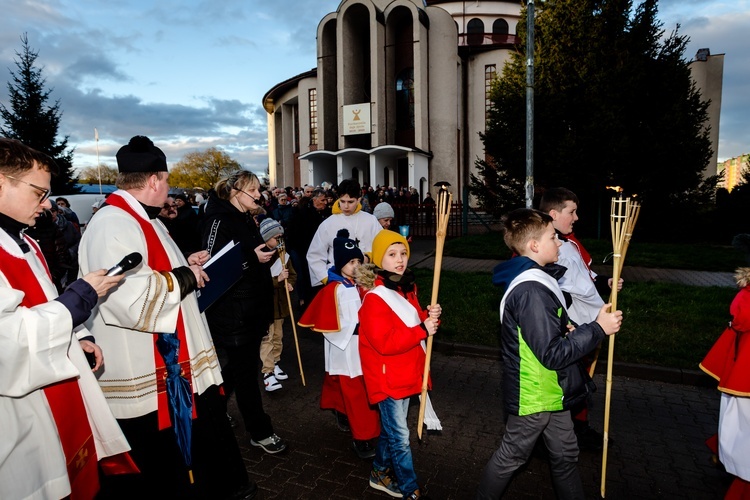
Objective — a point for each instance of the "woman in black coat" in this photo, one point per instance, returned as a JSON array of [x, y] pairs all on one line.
[[240, 318]]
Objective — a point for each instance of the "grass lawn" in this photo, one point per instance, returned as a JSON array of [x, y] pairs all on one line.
[[698, 257], [665, 324]]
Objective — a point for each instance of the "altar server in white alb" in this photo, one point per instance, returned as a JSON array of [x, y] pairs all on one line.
[[728, 361], [55, 421], [162, 375], [335, 313]]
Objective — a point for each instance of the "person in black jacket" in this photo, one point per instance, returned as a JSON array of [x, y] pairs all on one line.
[[300, 231], [541, 351], [184, 227], [240, 318]]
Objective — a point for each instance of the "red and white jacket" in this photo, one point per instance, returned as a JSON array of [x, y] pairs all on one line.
[[390, 337]]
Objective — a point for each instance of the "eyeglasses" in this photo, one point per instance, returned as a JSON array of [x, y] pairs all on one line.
[[45, 192]]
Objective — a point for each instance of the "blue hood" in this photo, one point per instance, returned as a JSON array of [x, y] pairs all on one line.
[[505, 272], [333, 276]]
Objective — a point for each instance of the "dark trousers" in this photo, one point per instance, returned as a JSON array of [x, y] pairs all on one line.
[[299, 261], [241, 376], [217, 465], [518, 442]]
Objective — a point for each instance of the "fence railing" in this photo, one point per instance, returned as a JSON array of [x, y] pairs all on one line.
[[421, 219]]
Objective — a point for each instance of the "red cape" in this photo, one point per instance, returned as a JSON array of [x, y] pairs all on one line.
[[322, 315], [728, 361]]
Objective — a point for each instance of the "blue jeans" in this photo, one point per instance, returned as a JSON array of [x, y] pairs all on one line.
[[393, 446]]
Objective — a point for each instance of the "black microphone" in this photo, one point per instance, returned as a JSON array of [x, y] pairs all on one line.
[[126, 264]]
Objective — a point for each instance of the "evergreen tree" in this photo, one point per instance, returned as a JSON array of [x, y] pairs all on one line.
[[35, 123], [614, 105]]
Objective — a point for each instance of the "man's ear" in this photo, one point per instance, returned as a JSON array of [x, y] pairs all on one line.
[[553, 213], [152, 180]]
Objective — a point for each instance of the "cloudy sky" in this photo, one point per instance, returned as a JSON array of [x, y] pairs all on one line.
[[191, 73]]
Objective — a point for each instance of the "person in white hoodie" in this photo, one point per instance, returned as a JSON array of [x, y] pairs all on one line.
[[347, 214]]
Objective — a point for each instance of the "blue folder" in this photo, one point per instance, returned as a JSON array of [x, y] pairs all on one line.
[[223, 274]]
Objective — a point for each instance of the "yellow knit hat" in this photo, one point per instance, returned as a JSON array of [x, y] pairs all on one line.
[[382, 241]]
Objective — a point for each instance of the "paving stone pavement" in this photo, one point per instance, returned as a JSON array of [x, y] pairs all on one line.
[[657, 429], [657, 433]]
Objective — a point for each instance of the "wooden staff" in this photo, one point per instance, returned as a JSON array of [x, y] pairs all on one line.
[[632, 218], [442, 214], [291, 313], [623, 218]]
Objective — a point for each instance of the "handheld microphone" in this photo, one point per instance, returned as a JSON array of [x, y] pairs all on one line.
[[126, 264]]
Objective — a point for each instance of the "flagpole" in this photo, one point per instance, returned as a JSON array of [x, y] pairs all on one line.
[[98, 164]]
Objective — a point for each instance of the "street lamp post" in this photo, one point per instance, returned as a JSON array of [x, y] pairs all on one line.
[[529, 103]]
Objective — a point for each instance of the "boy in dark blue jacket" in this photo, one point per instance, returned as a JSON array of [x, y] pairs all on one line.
[[541, 349]]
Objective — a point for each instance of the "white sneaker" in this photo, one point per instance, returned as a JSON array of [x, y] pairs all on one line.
[[272, 444], [269, 380], [279, 373]]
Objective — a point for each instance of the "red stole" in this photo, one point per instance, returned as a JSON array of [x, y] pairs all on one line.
[[64, 398], [585, 256], [158, 260]]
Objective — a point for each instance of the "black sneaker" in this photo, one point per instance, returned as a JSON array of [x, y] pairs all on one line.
[[590, 440], [363, 449], [342, 421], [418, 494], [247, 492]]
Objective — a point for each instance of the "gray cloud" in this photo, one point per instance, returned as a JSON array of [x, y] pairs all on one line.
[[77, 60], [184, 128], [235, 41], [80, 59]]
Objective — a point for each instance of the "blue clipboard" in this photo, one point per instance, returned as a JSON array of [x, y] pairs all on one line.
[[223, 273]]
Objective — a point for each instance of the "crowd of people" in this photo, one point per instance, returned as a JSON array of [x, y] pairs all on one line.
[[157, 408], [138, 402]]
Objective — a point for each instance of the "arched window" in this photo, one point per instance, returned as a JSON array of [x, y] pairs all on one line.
[[405, 99], [475, 31], [500, 27]]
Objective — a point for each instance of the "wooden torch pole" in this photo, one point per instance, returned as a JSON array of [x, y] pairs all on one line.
[[634, 209], [291, 314], [442, 215], [619, 215]]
